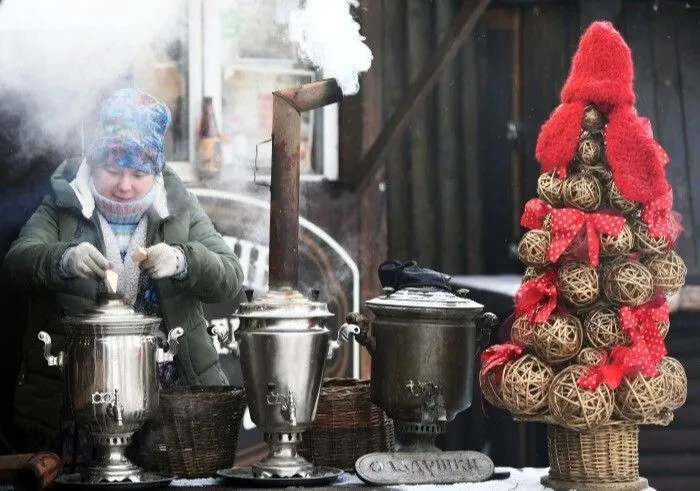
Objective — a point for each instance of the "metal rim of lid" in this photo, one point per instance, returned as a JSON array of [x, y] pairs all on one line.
[[424, 298], [283, 303], [113, 315]]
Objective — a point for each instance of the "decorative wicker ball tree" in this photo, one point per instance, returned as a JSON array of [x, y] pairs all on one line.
[[587, 354]]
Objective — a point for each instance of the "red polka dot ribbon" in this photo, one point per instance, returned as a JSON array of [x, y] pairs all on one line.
[[607, 372], [567, 223], [537, 298], [661, 219], [496, 357], [534, 213], [647, 347]]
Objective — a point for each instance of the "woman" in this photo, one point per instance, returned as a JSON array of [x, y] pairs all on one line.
[[102, 209]]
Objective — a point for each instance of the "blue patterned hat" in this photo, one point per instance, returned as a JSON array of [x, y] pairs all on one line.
[[130, 133]]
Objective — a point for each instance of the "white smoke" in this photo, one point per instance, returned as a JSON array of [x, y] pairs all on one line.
[[330, 38], [61, 56]]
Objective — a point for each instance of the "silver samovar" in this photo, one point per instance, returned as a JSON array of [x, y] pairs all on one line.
[[283, 346], [282, 340], [423, 346], [111, 380]]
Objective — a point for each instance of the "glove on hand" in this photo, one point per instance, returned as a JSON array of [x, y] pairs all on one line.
[[164, 261], [84, 260]]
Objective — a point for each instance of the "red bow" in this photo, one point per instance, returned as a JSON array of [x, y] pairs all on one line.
[[607, 371], [647, 347], [534, 213], [568, 222], [496, 357], [537, 298], [661, 219]]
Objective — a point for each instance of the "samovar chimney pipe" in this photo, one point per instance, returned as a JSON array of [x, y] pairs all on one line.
[[287, 107]]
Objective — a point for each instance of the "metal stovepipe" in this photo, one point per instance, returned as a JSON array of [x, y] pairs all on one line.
[[284, 195]]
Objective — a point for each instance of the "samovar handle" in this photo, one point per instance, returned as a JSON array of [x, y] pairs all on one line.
[[168, 354], [343, 335], [363, 337], [221, 332], [485, 324], [51, 360]]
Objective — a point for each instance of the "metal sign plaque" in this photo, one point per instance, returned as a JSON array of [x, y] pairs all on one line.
[[424, 468]]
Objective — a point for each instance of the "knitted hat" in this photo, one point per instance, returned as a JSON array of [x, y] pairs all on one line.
[[130, 133], [601, 70]]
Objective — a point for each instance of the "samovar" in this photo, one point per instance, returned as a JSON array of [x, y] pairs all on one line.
[[282, 340], [423, 346], [111, 381], [283, 345]]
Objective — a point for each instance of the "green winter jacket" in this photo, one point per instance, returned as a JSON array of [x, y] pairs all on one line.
[[214, 275]]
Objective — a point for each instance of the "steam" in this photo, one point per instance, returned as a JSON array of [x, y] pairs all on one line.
[[61, 57], [330, 38]]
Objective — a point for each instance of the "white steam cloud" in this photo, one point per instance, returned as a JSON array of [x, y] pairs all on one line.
[[330, 38], [61, 57]]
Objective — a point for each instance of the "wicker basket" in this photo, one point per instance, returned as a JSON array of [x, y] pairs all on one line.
[[200, 428], [604, 459], [347, 426]]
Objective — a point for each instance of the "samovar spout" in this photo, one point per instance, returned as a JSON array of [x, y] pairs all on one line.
[[288, 408], [115, 410], [51, 360], [168, 352]]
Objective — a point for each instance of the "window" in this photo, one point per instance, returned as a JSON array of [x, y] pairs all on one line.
[[237, 52]]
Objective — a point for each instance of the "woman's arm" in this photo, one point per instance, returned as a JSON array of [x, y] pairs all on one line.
[[33, 259], [213, 271]]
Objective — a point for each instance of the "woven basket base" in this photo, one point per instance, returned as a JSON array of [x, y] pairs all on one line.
[[638, 485]]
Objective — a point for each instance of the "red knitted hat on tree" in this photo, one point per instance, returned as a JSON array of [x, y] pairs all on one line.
[[602, 70], [602, 73]]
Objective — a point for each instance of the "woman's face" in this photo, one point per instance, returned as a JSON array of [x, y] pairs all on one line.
[[122, 183]]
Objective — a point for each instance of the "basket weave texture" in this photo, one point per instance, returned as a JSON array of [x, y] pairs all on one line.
[[347, 426], [610, 454], [200, 427]]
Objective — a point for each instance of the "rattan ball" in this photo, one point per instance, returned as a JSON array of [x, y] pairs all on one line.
[[491, 388], [663, 328], [590, 356], [644, 242], [628, 283], [642, 400], [676, 382], [601, 172], [614, 245], [575, 407], [593, 120], [617, 201], [589, 150], [533, 246], [525, 385], [549, 188], [530, 273], [668, 271], [558, 339], [582, 191], [578, 284], [603, 329], [521, 331]]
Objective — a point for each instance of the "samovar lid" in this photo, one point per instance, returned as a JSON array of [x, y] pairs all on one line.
[[111, 313], [424, 298], [283, 303]]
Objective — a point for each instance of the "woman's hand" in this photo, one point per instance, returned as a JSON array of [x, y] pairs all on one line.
[[86, 261], [164, 261]]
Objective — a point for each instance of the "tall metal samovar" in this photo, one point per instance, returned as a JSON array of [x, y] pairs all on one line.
[[423, 345], [111, 380], [282, 340]]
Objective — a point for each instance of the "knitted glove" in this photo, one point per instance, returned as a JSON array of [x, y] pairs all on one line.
[[84, 260], [164, 261]]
